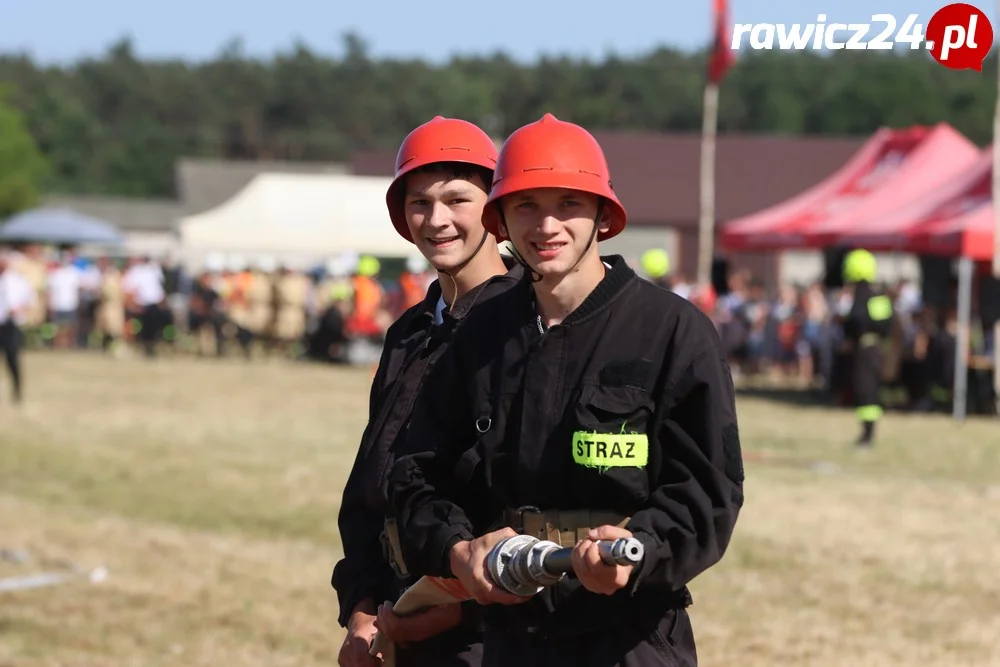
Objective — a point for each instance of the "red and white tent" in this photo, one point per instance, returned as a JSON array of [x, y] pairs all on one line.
[[969, 234], [894, 167], [953, 219]]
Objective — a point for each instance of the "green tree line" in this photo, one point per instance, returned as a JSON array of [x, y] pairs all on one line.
[[117, 124]]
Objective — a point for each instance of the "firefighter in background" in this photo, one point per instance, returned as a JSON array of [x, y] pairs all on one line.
[[866, 327], [260, 300], [334, 296], [205, 309], [109, 319], [291, 296], [238, 305], [368, 319], [656, 265], [336, 284], [226, 282], [30, 264]]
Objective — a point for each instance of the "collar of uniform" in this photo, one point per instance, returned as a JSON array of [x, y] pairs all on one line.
[[429, 304], [470, 298], [466, 302], [615, 278]]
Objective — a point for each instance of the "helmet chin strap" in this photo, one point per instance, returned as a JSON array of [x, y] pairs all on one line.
[[451, 272], [535, 275]]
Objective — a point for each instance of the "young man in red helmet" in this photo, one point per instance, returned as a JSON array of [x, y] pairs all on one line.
[[443, 174], [585, 404]]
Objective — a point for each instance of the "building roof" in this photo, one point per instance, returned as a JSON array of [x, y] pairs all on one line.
[[203, 183], [656, 175], [148, 215]]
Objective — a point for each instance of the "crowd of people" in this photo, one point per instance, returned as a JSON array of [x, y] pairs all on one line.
[[58, 299], [794, 336], [791, 336], [50, 298]]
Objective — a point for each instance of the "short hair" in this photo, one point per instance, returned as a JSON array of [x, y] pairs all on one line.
[[461, 170]]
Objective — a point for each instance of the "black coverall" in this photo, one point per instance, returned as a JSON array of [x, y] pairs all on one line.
[[11, 339], [207, 310], [626, 408], [413, 344], [866, 326]]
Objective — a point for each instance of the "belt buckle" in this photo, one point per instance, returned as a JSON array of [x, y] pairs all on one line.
[[387, 554], [526, 509], [383, 541]]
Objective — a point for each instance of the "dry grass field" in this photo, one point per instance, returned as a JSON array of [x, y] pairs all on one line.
[[210, 492]]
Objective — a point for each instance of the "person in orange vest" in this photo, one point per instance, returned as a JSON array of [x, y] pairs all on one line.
[[414, 282], [369, 299], [260, 301], [238, 313]]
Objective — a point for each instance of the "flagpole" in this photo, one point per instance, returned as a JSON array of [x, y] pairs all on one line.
[[706, 223], [996, 235]]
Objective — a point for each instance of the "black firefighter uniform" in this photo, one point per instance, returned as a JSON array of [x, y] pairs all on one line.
[[866, 326], [623, 414]]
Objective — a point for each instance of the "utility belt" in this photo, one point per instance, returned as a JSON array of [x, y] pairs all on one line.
[[392, 548], [567, 527], [564, 527], [574, 616]]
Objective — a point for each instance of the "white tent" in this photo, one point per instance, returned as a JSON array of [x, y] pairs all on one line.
[[299, 219]]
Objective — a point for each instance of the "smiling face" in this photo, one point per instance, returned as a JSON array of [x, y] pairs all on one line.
[[552, 227], [444, 213]]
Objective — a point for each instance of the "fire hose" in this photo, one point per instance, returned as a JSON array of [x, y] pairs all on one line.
[[524, 565], [521, 565]]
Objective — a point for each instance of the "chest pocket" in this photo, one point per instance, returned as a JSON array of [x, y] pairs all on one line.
[[610, 437]]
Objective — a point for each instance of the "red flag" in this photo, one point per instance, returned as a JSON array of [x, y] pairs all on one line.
[[721, 58]]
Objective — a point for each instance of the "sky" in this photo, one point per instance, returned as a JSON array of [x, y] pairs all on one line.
[[63, 31]]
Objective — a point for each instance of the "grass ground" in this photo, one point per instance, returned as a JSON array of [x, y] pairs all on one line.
[[210, 491]]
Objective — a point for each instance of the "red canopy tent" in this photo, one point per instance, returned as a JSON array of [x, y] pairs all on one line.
[[947, 208], [968, 234], [963, 227], [938, 164], [894, 166]]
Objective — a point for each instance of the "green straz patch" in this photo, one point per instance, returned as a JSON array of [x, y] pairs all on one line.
[[610, 450]]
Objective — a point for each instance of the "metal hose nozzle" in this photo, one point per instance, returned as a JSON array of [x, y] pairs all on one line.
[[524, 565]]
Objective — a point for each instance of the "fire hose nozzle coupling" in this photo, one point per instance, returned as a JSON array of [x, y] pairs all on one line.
[[623, 551], [524, 565]]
